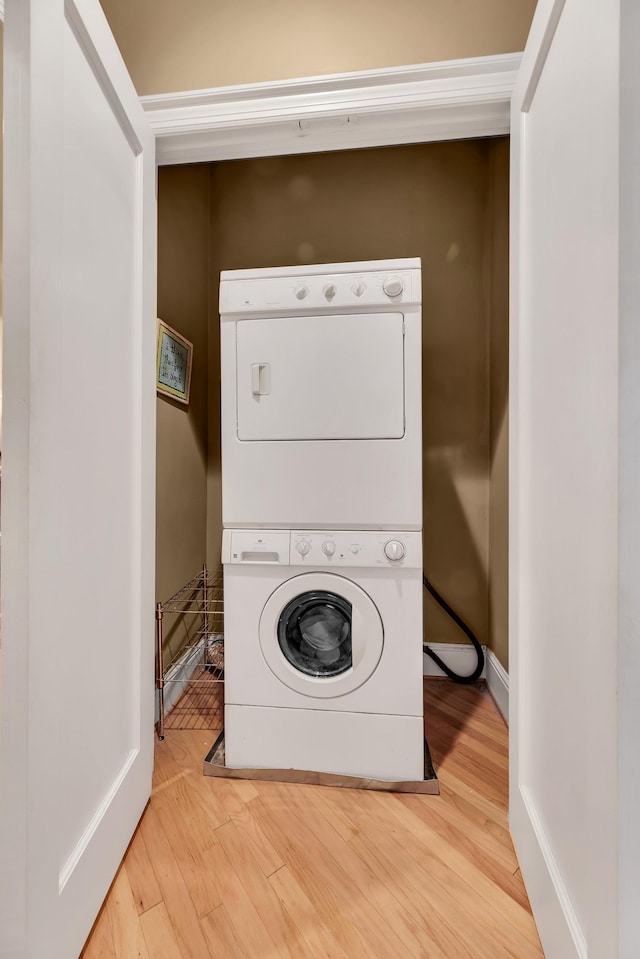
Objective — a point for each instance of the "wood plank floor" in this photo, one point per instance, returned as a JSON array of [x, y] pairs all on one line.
[[222, 868]]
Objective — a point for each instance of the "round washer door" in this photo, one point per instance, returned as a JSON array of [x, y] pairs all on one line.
[[321, 634]]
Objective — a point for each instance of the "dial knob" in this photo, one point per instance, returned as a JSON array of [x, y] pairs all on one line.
[[301, 292], [393, 286], [394, 550], [358, 288], [328, 548], [329, 291], [303, 546]]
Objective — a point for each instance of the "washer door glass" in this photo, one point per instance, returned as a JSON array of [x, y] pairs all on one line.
[[314, 633], [321, 634]]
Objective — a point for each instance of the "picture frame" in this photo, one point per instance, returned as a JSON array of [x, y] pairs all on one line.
[[174, 359]]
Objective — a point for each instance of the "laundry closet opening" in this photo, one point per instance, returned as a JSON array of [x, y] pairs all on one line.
[[446, 203]]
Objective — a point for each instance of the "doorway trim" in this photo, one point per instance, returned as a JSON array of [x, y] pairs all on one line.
[[450, 100]]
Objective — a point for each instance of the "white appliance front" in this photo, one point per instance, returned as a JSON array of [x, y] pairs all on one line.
[[321, 377], [324, 620], [366, 745], [323, 651], [321, 396]]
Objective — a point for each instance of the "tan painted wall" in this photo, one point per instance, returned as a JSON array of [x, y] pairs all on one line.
[[206, 43], [183, 287], [428, 200], [499, 399]]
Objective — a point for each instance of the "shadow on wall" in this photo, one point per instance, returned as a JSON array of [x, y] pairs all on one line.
[[498, 276], [455, 545], [455, 548]]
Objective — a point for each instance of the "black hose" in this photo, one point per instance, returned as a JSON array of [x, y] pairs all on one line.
[[460, 623]]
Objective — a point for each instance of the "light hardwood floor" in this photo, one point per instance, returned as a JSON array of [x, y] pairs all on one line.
[[222, 868]]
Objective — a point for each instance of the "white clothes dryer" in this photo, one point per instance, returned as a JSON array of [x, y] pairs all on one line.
[[321, 396], [323, 651]]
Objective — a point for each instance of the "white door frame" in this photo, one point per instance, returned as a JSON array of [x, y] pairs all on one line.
[[558, 922], [450, 100], [609, 660]]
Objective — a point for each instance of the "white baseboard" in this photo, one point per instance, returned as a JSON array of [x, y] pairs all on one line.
[[498, 683], [461, 657], [556, 918]]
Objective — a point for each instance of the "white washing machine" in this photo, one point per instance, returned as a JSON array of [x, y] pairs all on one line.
[[323, 651], [321, 396]]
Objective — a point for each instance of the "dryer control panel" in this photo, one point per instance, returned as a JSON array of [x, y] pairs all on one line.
[[322, 549], [318, 293], [321, 288]]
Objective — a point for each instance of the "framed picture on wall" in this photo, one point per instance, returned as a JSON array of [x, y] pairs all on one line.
[[173, 363]]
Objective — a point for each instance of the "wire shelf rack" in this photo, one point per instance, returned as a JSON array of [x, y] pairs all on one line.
[[190, 681]]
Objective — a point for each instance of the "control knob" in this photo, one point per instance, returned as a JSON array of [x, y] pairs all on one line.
[[301, 292], [394, 550], [393, 286], [329, 291], [303, 546], [328, 548], [358, 288]]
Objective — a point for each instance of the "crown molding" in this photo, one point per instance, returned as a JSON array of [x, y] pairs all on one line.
[[436, 101]]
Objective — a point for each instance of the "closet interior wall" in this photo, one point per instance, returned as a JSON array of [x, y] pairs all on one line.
[[182, 431], [444, 202]]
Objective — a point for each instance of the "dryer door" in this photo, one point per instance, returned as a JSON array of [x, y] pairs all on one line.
[[321, 377], [321, 634]]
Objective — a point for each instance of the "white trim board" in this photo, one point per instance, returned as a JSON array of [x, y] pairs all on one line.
[[450, 100], [461, 657], [498, 682], [539, 865]]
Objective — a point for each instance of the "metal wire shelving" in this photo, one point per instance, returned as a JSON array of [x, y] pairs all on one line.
[[191, 683]]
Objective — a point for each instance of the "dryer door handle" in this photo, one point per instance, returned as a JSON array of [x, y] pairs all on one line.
[[260, 379]]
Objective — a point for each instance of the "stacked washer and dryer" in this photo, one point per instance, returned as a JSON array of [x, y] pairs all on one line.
[[322, 517]]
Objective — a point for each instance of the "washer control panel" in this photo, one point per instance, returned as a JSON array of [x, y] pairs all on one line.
[[323, 548], [355, 548], [259, 547]]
